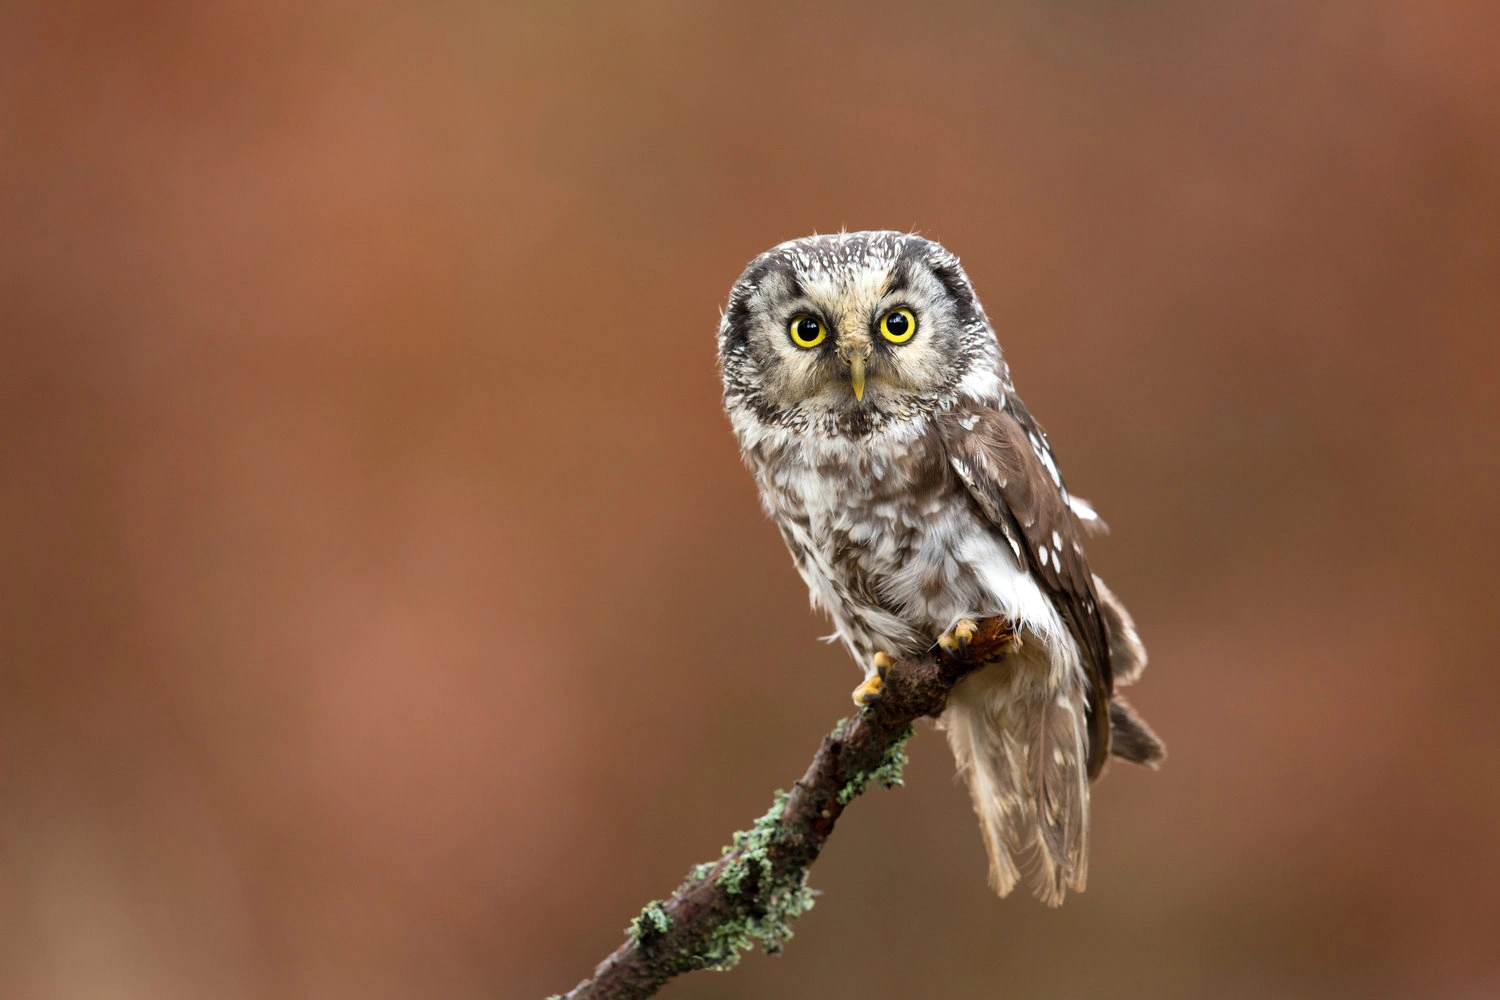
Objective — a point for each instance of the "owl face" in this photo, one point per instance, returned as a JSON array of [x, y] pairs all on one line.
[[852, 331]]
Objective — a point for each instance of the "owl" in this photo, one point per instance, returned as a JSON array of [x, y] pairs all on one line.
[[917, 496]]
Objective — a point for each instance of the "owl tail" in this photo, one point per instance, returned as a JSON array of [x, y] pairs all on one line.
[[1020, 741]]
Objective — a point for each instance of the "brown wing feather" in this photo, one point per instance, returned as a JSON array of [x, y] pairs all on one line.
[[998, 454]]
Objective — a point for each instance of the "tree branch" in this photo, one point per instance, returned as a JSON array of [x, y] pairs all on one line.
[[759, 886]]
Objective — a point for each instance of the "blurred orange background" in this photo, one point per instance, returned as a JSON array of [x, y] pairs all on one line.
[[385, 611]]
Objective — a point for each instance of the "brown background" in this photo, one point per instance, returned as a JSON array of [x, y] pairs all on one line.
[[384, 611]]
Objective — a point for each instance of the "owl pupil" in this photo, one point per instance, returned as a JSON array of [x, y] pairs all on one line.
[[896, 324], [807, 329]]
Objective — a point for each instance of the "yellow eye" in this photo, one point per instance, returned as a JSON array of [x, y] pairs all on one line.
[[806, 331], [898, 325]]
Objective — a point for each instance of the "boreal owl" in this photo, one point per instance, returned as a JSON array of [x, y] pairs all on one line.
[[917, 496]]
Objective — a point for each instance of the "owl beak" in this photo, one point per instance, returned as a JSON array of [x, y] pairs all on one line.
[[857, 376]]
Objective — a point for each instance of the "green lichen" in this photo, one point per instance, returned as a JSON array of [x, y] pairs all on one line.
[[886, 775], [751, 846], [770, 901], [771, 929], [654, 919], [762, 901]]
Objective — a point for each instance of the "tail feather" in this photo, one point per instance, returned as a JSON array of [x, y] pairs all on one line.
[[1020, 743], [1061, 797], [1019, 732], [1127, 654], [1131, 738], [984, 759]]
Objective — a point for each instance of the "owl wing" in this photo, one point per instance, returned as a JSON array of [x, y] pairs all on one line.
[[1001, 454]]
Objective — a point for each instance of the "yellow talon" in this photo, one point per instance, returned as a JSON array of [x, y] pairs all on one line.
[[956, 642], [873, 688]]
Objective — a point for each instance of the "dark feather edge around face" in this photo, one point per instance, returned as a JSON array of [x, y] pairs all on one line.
[[908, 252]]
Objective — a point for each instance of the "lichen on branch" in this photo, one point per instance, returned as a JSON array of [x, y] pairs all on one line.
[[886, 775], [757, 888]]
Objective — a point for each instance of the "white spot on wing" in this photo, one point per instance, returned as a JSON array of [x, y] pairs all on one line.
[[1082, 509]]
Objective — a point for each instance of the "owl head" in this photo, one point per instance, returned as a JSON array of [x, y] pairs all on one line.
[[847, 333]]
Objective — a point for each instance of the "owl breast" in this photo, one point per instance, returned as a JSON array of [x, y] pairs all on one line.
[[888, 540]]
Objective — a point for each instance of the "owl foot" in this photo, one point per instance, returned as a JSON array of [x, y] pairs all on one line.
[[956, 642], [872, 690]]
